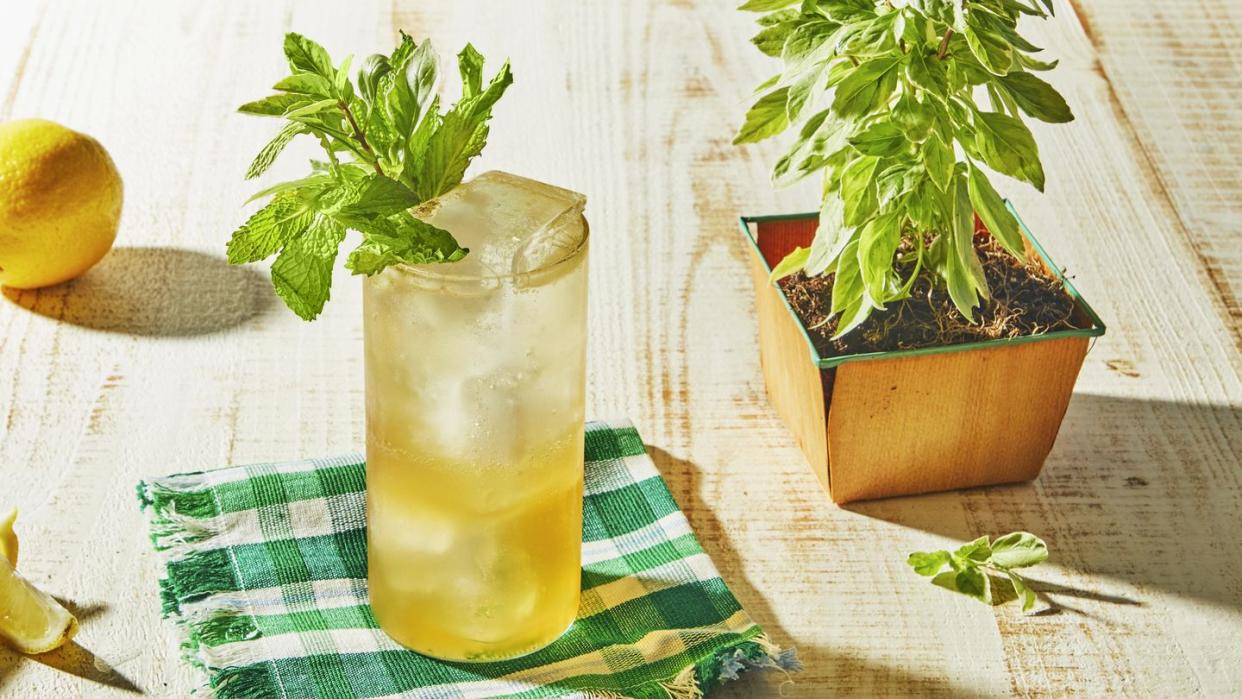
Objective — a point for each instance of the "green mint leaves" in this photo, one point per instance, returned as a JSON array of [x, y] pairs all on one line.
[[971, 566], [388, 148], [883, 98]]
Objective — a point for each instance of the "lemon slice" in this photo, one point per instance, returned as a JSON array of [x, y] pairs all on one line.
[[8, 539], [30, 619]]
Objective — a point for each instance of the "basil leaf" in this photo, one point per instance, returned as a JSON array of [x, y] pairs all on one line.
[[928, 73], [963, 232], [975, 583], [791, 264], [858, 190], [848, 297], [977, 550], [766, 118], [986, 42], [991, 208], [1026, 594], [867, 86], [771, 40], [881, 139], [831, 237], [938, 160], [1008, 147], [1037, 98], [928, 564], [1018, 550], [877, 243], [847, 284], [962, 271]]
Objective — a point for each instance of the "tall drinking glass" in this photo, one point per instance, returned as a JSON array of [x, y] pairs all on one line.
[[475, 391]]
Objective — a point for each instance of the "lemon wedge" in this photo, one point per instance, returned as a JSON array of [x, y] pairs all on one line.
[[30, 619], [8, 539]]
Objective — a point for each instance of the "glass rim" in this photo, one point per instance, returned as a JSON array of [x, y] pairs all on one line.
[[430, 271]]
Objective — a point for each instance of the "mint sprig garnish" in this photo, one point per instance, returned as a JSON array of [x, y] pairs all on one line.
[[971, 566], [388, 148]]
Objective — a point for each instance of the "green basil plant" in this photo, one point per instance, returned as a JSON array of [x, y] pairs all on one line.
[[884, 96]]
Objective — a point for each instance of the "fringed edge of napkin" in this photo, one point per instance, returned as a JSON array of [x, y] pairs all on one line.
[[178, 508]]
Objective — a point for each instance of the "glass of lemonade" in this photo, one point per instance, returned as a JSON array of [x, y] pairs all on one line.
[[475, 392]]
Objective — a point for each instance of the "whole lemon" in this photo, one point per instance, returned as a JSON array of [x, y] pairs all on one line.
[[60, 203]]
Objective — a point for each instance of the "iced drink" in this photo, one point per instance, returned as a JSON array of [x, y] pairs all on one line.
[[475, 376]]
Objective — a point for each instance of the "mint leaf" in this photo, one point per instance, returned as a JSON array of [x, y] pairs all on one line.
[[305, 84], [302, 273], [307, 56], [470, 65], [459, 137], [402, 239], [268, 230], [765, 5], [777, 27], [275, 105], [268, 155], [379, 195]]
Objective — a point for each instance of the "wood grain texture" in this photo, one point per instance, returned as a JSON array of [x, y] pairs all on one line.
[[952, 420], [163, 359], [796, 388]]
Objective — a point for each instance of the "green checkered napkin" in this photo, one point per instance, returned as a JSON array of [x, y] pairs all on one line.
[[266, 577]]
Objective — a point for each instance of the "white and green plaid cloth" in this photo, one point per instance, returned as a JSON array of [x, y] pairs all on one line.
[[266, 571]]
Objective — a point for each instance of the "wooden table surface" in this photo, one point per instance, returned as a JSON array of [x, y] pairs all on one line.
[[164, 359]]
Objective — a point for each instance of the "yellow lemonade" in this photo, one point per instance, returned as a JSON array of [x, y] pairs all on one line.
[[475, 407]]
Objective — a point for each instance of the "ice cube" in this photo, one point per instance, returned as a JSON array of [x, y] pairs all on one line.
[[497, 592], [550, 244], [511, 224], [412, 532]]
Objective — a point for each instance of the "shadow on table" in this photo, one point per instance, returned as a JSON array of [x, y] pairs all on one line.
[[72, 658], [820, 663], [154, 291], [1139, 491]]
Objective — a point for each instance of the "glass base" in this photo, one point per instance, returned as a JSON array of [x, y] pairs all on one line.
[[476, 659]]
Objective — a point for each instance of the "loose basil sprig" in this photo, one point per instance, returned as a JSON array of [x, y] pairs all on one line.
[[882, 94], [969, 565]]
